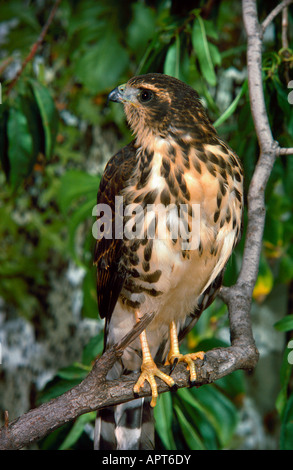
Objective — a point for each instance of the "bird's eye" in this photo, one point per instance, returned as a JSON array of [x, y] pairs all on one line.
[[145, 95]]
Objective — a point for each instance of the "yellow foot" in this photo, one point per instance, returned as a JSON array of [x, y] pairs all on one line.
[[173, 359], [149, 371]]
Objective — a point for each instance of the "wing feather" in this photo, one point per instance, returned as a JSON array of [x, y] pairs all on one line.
[[108, 251]]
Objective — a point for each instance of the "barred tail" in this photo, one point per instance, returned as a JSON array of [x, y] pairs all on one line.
[[129, 426]]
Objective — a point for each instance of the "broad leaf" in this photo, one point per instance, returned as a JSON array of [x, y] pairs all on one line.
[[76, 184], [191, 436], [285, 324], [4, 160], [163, 413], [172, 62], [202, 51], [102, 65], [232, 107], [286, 438], [20, 147], [77, 430], [49, 115]]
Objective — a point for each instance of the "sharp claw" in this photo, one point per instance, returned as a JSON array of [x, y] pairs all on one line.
[[174, 364]]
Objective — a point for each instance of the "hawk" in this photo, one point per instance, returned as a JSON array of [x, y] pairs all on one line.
[[172, 213]]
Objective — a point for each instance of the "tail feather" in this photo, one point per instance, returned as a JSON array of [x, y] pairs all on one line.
[[147, 439], [128, 426], [104, 437]]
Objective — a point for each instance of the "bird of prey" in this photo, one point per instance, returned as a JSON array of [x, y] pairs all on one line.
[[175, 181]]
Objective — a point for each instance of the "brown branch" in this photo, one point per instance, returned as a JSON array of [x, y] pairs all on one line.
[[92, 393], [95, 391], [271, 16], [34, 47]]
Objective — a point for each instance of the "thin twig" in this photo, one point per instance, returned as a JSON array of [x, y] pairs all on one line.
[[34, 47], [271, 16], [285, 151], [285, 44]]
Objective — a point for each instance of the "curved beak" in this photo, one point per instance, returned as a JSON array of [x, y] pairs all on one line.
[[116, 95]]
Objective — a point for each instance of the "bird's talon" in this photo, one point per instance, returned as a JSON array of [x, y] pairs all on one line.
[[149, 372], [189, 360]]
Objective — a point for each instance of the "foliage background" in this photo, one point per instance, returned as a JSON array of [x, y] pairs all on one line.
[[55, 137]]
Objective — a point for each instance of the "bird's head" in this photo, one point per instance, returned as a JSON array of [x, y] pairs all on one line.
[[157, 104]]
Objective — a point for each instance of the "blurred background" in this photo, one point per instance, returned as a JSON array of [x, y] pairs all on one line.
[[56, 134]]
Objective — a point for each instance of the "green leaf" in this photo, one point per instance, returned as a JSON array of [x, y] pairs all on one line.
[[93, 349], [215, 54], [153, 54], [285, 376], [57, 388], [77, 430], [26, 14], [219, 410], [73, 372], [197, 418], [89, 287], [101, 66], [76, 184], [286, 437], [172, 62], [282, 96], [285, 324], [190, 435], [202, 51], [49, 115], [4, 160], [233, 385], [163, 413], [30, 109], [232, 107], [20, 147], [83, 212], [141, 29], [286, 269]]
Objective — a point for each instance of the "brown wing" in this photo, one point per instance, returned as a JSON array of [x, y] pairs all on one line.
[[110, 273]]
